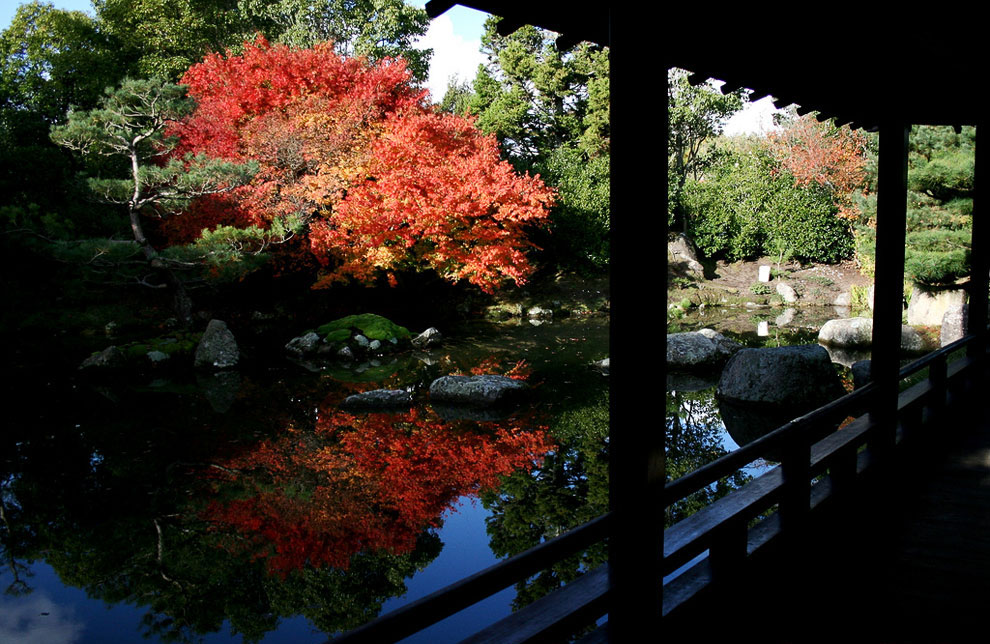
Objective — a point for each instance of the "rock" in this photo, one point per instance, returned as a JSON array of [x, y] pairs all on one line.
[[698, 349], [857, 333], [954, 323], [843, 300], [764, 274], [799, 377], [847, 332], [157, 357], [787, 293], [871, 295], [217, 349], [375, 345], [538, 312], [379, 399], [683, 257], [478, 391], [861, 373], [928, 306], [601, 366], [109, 358], [303, 345], [427, 339], [911, 340], [361, 341]]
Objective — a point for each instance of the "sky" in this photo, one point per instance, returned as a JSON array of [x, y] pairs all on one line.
[[455, 37]]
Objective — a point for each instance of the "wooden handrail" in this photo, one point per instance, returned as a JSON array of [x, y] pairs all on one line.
[[428, 610], [811, 447], [818, 463]]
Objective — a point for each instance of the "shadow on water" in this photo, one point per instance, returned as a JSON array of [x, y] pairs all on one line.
[[238, 504]]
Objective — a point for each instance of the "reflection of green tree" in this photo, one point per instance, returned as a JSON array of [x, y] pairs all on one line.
[[569, 489], [693, 439]]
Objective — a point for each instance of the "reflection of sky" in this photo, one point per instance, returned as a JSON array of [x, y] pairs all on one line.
[[57, 614], [35, 618], [463, 529]]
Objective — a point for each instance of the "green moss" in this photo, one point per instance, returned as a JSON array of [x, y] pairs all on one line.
[[338, 335], [371, 326]]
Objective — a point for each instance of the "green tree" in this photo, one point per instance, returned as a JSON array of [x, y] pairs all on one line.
[[373, 28], [165, 37], [130, 125], [745, 205], [549, 109], [696, 117], [50, 60]]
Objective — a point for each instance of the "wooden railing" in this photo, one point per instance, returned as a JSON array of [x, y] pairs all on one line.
[[817, 464], [578, 604]]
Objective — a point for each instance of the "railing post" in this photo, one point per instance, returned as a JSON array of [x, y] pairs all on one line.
[[727, 552], [796, 467], [938, 377], [889, 283]]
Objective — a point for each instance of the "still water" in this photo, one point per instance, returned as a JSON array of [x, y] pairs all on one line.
[[700, 429], [250, 507]]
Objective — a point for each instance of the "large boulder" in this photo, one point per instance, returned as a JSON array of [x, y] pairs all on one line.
[[762, 389], [847, 332], [857, 333], [217, 348], [698, 350], [477, 391], [683, 258], [928, 306], [799, 377]]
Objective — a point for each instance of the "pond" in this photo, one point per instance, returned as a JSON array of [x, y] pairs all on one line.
[[700, 429], [250, 507]]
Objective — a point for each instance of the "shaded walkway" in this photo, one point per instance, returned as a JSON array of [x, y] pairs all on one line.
[[908, 561]]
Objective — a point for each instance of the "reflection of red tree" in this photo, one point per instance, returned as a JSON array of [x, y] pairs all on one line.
[[359, 483]]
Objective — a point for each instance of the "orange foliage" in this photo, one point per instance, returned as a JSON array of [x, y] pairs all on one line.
[[380, 181], [833, 157]]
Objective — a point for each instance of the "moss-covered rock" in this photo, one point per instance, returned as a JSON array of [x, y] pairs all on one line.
[[371, 326]]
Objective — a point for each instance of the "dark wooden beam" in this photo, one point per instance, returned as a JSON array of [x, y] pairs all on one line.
[[979, 256], [889, 278], [636, 440]]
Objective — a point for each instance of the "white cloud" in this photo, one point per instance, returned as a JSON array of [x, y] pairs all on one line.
[[453, 55]]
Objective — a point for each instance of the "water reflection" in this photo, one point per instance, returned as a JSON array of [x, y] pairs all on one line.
[[232, 506], [357, 484], [695, 437]]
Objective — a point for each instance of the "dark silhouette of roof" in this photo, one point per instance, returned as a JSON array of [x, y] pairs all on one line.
[[858, 64]]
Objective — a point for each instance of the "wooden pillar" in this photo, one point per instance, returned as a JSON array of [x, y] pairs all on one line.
[[636, 434], [979, 261], [889, 278]]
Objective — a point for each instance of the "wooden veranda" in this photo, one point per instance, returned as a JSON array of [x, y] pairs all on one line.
[[880, 529]]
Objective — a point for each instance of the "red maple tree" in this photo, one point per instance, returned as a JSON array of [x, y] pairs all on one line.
[[352, 152], [820, 152]]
